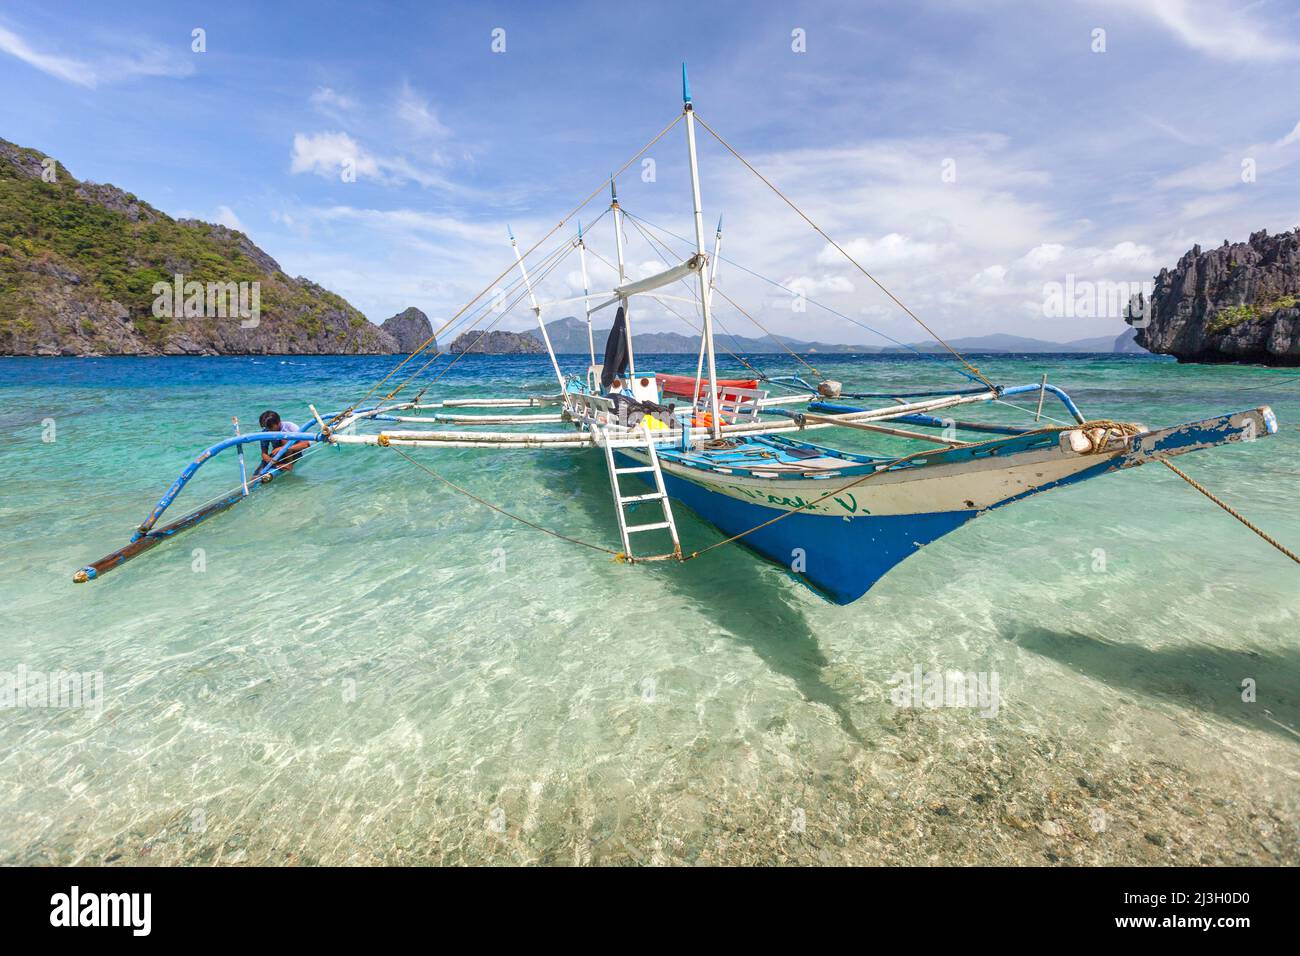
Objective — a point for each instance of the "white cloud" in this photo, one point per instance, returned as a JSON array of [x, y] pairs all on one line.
[[1124, 256], [1042, 255], [325, 97], [1208, 205], [889, 250], [418, 116], [412, 221], [1225, 30], [990, 281], [1226, 170], [226, 217], [813, 286], [326, 154], [63, 68], [106, 69]]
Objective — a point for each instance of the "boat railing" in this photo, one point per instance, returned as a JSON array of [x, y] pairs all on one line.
[[735, 404]]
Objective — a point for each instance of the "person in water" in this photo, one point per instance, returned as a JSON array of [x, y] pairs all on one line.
[[270, 422]]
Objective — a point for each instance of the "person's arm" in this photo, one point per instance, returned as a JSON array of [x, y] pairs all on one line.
[[285, 462]]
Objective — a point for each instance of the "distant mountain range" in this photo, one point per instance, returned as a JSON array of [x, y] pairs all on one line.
[[569, 335], [1124, 342]]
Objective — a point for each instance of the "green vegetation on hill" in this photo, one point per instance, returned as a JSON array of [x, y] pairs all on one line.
[[1228, 317], [79, 261]]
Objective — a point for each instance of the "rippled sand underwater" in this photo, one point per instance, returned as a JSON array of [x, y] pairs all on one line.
[[363, 667]]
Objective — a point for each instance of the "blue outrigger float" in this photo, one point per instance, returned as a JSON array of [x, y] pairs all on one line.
[[735, 455]]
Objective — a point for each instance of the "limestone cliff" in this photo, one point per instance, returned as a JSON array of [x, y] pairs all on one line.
[[497, 343], [1237, 303], [410, 329]]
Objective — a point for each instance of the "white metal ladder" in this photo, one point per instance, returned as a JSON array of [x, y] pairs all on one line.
[[642, 442]]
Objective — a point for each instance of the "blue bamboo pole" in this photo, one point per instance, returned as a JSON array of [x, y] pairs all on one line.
[[183, 479]]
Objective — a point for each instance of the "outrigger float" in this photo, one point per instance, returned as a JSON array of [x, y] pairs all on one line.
[[735, 454]]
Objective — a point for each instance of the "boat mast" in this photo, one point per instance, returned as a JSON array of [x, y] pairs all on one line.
[[715, 424], [713, 281], [537, 309], [586, 293], [622, 274]]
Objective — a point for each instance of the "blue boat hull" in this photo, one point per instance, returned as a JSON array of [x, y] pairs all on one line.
[[840, 557]]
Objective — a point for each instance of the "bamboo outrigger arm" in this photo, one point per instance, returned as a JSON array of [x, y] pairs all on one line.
[[146, 537]]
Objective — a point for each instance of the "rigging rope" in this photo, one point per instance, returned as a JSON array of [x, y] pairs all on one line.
[[510, 289], [488, 504], [793, 354], [753, 368], [1228, 508], [811, 301], [767, 182], [514, 265], [659, 242], [541, 273]]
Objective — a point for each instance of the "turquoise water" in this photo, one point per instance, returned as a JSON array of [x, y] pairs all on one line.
[[361, 666]]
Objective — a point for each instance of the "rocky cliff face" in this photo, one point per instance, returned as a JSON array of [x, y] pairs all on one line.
[[409, 330], [497, 343], [81, 265], [1237, 303]]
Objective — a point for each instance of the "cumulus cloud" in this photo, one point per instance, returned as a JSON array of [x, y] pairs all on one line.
[[889, 250], [1042, 255], [1124, 256], [327, 154], [811, 286], [990, 281]]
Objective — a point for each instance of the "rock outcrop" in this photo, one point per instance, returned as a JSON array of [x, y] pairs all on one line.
[[81, 266], [497, 343], [410, 329], [1237, 303]]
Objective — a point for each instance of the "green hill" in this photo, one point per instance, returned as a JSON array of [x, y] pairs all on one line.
[[79, 262]]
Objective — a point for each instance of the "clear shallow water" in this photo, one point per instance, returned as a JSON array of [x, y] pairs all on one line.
[[371, 668]]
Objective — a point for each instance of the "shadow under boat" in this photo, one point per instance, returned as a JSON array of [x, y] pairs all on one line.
[[766, 620], [1200, 676]]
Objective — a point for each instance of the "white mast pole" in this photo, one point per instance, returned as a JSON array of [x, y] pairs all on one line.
[[537, 309], [622, 273], [586, 292], [716, 423], [713, 281]]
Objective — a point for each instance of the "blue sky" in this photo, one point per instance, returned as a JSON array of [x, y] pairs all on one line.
[[1100, 166]]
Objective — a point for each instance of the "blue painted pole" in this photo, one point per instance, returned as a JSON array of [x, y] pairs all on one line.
[[183, 479], [1013, 390], [1059, 393]]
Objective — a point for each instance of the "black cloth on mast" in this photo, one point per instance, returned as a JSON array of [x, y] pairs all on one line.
[[615, 352]]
